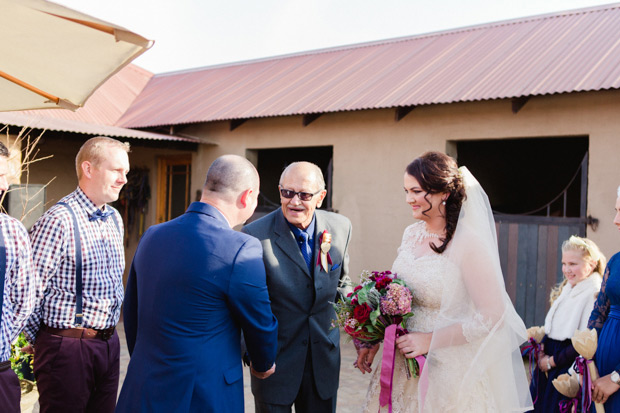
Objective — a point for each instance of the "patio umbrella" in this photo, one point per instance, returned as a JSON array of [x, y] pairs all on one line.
[[55, 57]]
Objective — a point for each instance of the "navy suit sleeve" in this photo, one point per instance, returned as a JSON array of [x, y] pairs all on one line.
[[130, 310], [249, 304]]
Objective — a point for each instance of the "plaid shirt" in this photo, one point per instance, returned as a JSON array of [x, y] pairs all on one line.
[[103, 258], [19, 287]]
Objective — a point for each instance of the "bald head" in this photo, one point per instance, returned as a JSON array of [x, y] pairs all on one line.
[[307, 169], [229, 175]]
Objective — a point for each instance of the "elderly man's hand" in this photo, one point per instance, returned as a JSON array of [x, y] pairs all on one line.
[[365, 357], [264, 374]]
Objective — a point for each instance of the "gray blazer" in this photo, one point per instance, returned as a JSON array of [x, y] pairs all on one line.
[[302, 303]]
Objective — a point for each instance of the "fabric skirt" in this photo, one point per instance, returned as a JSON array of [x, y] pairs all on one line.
[[546, 398], [608, 353]]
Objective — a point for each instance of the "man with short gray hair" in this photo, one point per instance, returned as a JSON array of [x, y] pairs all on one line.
[[306, 259]]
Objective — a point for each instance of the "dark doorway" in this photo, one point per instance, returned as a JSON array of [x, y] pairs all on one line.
[[537, 189], [271, 162], [521, 176]]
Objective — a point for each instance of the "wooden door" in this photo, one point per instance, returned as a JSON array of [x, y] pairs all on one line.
[[173, 188], [530, 248]]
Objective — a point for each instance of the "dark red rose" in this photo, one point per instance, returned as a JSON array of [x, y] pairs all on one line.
[[382, 282], [362, 313]]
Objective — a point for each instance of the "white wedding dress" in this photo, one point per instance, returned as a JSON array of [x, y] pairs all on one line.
[[426, 276]]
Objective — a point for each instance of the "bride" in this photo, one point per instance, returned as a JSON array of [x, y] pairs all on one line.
[[464, 321]]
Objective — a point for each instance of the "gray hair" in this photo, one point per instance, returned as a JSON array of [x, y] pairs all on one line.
[[230, 175], [316, 171], [92, 151]]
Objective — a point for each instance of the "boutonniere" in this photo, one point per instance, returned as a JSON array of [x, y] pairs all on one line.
[[325, 241]]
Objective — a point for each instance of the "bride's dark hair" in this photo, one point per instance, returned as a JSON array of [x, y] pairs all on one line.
[[437, 172]]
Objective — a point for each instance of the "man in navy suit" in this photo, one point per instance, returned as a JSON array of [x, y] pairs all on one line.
[[305, 251], [194, 284]]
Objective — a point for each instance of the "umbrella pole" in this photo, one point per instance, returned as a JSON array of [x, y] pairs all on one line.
[[60, 102]]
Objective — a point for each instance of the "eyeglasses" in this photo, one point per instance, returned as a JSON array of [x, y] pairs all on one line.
[[304, 196]]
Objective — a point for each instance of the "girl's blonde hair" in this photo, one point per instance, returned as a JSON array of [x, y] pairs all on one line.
[[590, 252]]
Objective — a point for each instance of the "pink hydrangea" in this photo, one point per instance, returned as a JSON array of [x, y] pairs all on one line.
[[397, 300]]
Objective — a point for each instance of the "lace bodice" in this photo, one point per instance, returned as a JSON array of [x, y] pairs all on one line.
[[422, 274]]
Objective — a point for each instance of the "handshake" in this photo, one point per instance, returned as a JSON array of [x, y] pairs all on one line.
[[263, 375]]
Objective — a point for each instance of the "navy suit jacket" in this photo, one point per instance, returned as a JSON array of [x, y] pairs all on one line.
[[303, 303], [194, 284]]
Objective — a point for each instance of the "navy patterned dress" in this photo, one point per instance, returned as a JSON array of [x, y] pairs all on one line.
[[605, 319]]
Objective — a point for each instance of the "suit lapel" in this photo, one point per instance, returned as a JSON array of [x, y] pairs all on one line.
[[286, 242]]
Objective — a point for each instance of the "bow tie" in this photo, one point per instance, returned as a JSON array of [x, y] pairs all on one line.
[[99, 214]]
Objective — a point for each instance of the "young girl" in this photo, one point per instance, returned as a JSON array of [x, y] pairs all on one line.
[[572, 302]]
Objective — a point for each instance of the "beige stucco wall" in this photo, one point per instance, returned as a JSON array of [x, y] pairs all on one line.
[[371, 150]]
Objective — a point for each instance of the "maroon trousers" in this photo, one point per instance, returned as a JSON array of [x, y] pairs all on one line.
[[76, 374], [10, 392]]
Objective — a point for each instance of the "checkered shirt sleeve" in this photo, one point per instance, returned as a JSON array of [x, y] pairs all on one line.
[[20, 283], [103, 263]]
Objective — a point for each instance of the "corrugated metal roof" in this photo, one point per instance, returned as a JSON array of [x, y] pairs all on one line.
[[35, 121], [555, 53]]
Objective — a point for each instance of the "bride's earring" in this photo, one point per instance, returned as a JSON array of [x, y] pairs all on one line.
[[443, 202]]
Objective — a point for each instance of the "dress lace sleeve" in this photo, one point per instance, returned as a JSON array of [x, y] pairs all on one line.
[[601, 305], [478, 327]]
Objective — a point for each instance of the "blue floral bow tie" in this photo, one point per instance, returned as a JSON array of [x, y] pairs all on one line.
[[99, 214]]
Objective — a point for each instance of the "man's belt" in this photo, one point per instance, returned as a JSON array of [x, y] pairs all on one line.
[[85, 333], [5, 365]]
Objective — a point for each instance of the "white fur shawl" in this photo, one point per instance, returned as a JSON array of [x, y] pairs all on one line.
[[571, 310]]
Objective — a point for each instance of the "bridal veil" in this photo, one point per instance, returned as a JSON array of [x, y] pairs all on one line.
[[478, 329]]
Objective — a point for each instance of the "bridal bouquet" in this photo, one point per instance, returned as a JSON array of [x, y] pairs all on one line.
[[380, 303]]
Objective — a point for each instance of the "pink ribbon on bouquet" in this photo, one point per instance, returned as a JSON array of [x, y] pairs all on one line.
[[581, 367], [569, 405], [531, 350], [387, 363]]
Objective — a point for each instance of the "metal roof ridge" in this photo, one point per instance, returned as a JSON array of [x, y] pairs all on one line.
[[333, 49]]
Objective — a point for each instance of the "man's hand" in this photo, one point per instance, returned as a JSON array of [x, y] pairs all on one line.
[[264, 374], [28, 349], [365, 356]]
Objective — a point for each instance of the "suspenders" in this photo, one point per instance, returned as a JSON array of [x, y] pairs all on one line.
[[79, 315], [2, 269]]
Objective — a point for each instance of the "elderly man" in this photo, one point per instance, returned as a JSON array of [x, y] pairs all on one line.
[[306, 258], [194, 284], [17, 292], [78, 252]]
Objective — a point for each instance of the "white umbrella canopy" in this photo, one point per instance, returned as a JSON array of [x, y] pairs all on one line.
[[55, 57]]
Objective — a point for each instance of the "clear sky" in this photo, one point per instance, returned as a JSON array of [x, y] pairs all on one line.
[[197, 33]]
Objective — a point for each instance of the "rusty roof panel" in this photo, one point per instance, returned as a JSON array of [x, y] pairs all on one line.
[[108, 102], [564, 52], [35, 121]]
